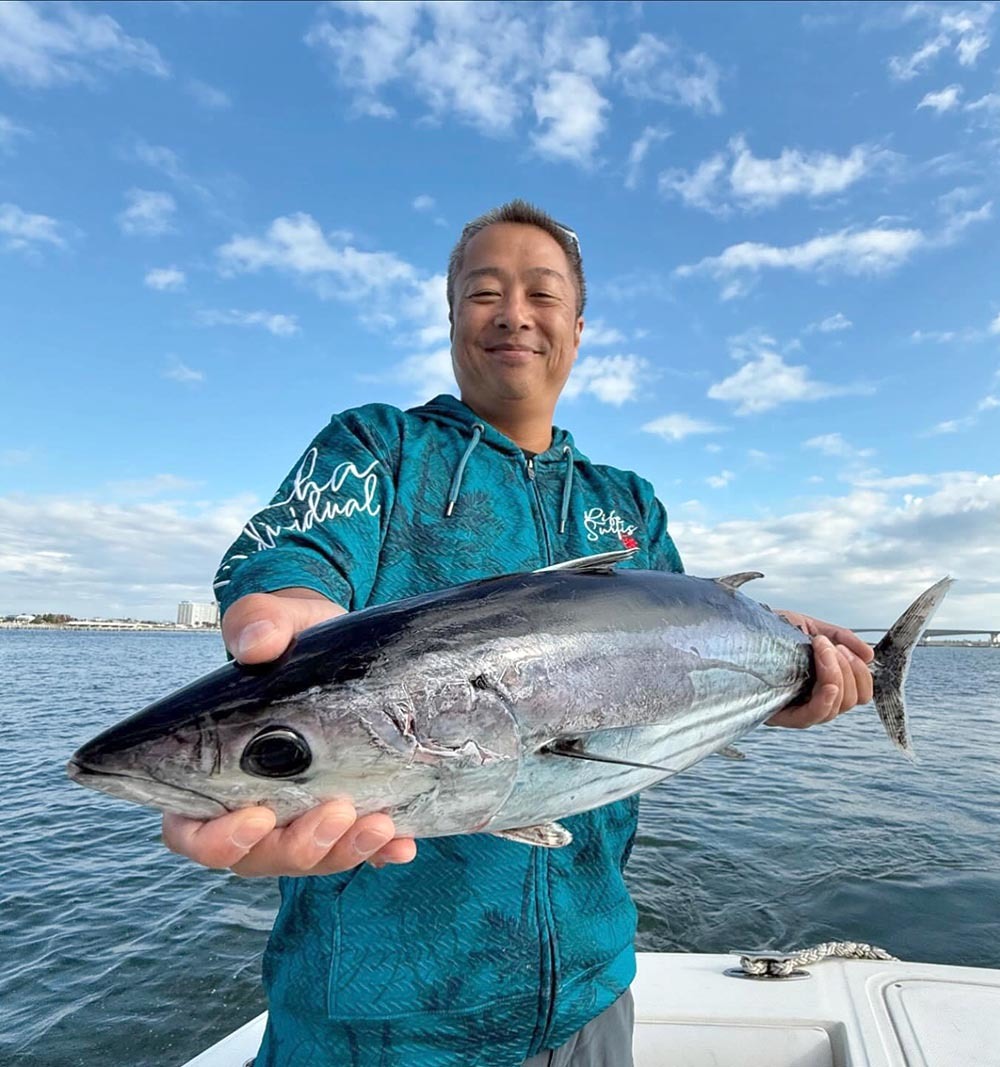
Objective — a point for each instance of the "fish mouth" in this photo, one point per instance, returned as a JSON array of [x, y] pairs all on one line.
[[150, 792]]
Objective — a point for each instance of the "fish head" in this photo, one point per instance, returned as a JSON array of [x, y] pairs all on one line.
[[224, 743], [229, 740]]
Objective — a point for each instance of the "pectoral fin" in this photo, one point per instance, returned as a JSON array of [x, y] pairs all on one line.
[[731, 753], [544, 835], [601, 563]]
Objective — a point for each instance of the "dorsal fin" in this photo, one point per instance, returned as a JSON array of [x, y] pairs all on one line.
[[734, 581], [601, 563]]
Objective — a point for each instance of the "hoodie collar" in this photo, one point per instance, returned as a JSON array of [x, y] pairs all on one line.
[[448, 409]]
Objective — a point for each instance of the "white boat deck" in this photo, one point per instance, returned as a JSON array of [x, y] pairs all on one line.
[[848, 1013]]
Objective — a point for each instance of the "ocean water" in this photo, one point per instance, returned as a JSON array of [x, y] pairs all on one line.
[[114, 951]]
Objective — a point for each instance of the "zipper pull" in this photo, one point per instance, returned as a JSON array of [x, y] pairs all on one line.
[[531, 468]]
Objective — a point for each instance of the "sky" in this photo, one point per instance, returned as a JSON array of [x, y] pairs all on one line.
[[220, 223]]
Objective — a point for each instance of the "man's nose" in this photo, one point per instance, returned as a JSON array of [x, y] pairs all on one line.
[[514, 312]]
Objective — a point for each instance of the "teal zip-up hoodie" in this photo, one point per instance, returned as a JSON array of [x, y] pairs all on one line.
[[481, 951]]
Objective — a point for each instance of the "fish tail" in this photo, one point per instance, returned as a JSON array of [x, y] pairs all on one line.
[[892, 662]]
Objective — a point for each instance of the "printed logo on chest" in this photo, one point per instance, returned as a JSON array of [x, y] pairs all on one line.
[[599, 523]]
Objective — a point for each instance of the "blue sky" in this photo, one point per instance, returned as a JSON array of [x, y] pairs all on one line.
[[222, 222]]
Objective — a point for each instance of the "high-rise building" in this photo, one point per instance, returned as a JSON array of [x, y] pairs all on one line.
[[191, 614]]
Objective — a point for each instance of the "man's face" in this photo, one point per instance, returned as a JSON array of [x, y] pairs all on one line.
[[516, 330]]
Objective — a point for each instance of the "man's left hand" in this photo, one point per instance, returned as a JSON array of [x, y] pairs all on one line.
[[843, 679]]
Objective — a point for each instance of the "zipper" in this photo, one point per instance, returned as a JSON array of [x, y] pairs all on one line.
[[552, 977], [539, 508]]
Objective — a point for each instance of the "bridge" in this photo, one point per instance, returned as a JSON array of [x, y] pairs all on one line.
[[992, 635]]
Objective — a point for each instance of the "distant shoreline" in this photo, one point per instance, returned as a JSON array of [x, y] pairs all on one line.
[[114, 628]]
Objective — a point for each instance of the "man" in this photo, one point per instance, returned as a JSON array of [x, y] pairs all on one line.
[[470, 950]]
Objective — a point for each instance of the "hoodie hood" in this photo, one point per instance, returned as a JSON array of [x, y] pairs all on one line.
[[447, 410]]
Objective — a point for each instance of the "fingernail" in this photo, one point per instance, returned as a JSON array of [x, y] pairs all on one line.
[[330, 830], [368, 841], [377, 863], [253, 635], [247, 834]]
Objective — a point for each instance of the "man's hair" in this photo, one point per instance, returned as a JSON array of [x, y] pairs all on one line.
[[519, 211]]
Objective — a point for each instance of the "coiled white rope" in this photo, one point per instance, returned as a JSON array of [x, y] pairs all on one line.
[[780, 965]]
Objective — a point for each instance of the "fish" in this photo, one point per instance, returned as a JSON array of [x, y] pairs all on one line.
[[498, 706]]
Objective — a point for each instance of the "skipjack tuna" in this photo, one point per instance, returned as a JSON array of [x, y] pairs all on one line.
[[498, 706]]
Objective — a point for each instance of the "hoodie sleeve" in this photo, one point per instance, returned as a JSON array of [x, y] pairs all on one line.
[[663, 554], [325, 526]]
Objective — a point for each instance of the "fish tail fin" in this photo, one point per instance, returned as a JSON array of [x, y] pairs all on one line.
[[892, 661]]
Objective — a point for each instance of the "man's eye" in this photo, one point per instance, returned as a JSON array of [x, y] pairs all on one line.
[[480, 293]]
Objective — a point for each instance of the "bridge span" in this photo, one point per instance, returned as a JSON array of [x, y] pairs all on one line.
[[992, 635]]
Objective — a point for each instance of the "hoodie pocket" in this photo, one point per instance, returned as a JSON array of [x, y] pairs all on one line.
[[454, 931]]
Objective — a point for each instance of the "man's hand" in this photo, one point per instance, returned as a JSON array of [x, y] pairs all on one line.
[[843, 679], [327, 839]]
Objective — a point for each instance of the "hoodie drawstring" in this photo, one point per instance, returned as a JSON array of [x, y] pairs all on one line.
[[567, 487], [456, 482]]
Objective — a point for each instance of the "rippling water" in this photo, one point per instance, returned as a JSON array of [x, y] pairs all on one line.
[[112, 950]]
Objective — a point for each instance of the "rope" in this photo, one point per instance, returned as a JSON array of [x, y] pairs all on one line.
[[780, 966]]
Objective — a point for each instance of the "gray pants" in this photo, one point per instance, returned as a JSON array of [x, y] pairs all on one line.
[[604, 1042]]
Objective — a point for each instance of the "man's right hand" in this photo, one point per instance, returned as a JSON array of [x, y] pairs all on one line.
[[325, 840]]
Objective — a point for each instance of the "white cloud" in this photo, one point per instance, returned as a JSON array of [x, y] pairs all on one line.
[[10, 131], [598, 333], [389, 292], [720, 480], [990, 402], [859, 558], [279, 325], [988, 104], [570, 113], [611, 379], [113, 553], [496, 66], [700, 188], [149, 214], [957, 222], [966, 30], [638, 151], [423, 202], [834, 444], [854, 252], [677, 426], [426, 373], [995, 325], [737, 178], [165, 279], [210, 97], [181, 372], [765, 182], [44, 45], [665, 71], [22, 230], [766, 381], [943, 100], [296, 243], [831, 324]]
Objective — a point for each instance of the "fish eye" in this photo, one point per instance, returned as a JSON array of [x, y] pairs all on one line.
[[277, 752]]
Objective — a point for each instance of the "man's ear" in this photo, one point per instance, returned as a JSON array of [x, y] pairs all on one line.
[[578, 332]]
